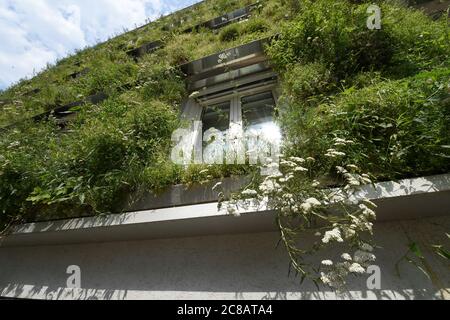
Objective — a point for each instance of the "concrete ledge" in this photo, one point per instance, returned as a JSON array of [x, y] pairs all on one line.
[[404, 199]]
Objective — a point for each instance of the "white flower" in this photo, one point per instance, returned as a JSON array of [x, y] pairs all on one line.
[[297, 159], [233, 211], [342, 142], [218, 184], [309, 204], [276, 175], [311, 159], [325, 279], [341, 169], [333, 153], [352, 166], [327, 262], [269, 186], [315, 183], [356, 268], [334, 234], [348, 232], [288, 163], [365, 178], [313, 201], [249, 192], [301, 169], [351, 179], [204, 171], [317, 234], [368, 213], [346, 257], [288, 197], [306, 207]]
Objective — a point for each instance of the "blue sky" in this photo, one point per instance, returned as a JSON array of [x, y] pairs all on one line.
[[36, 32]]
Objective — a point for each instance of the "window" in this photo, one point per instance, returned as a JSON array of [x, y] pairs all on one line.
[[236, 128], [216, 116], [257, 110], [233, 92], [248, 110]]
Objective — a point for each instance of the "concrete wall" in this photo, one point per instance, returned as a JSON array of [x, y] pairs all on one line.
[[242, 266]]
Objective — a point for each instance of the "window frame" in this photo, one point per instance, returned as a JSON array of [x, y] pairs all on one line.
[[236, 104]]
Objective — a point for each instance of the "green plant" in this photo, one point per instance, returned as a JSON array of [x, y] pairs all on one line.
[[229, 33], [386, 91]]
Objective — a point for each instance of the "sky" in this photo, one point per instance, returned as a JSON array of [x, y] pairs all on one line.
[[36, 32]]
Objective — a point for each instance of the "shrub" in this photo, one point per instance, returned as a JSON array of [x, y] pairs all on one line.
[[229, 33], [336, 35], [303, 81], [254, 25], [161, 82], [400, 128]]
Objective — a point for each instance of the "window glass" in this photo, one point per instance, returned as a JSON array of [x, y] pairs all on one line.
[[258, 114], [216, 116], [257, 109]]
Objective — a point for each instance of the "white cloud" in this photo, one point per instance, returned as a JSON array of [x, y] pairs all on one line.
[[36, 32]]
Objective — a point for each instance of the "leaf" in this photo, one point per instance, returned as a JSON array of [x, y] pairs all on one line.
[[303, 278], [416, 250], [442, 252], [418, 266]]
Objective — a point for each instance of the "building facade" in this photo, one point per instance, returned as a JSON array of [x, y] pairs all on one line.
[[181, 245]]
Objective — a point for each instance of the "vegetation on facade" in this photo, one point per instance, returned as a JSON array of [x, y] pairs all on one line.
[[386, 90], [47, 174], [358, 106]]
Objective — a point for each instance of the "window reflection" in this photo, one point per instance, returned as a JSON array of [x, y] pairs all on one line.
[[216, 116], [258, 115], [226, 139]]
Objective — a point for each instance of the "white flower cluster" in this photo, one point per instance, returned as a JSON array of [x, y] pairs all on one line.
[[332, 153], [269, 186], [342, 142], [333, 235], [336, 274], [338, 142], [249, 192], [14, 144], [353, 179]]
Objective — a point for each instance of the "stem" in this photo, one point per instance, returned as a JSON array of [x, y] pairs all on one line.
[[289, 249]]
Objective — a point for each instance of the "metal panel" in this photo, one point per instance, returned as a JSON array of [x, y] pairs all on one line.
[[228, 76], [217, 63]]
